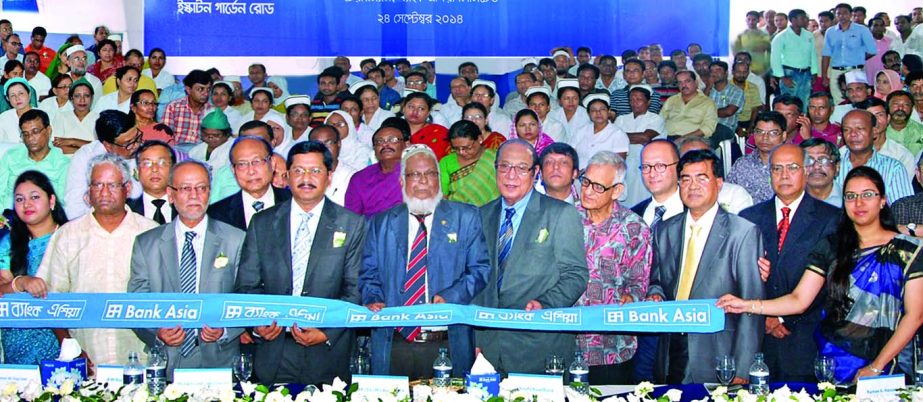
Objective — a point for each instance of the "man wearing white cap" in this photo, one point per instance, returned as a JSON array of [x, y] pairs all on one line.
[[857, 91], [77, 67], [600, 134], [516, 101], [562, 63], [298, 119]]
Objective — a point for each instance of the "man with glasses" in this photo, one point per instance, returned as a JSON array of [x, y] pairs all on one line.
[[377, 187], [89, 254], [11, 47], [752, 171], [618, 256], [252, 166], [537, 261], [790, 224], [426, 250], [154, 159], [76, 60], [822, 165], [35, 153], [188, 249], [858, 126], [116, 134]]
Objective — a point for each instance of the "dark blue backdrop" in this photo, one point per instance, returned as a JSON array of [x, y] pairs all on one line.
[[391, 28]]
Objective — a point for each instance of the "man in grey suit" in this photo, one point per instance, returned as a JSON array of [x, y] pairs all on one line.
[[537, 261], [191, 254], [307, 246], [705, 253]]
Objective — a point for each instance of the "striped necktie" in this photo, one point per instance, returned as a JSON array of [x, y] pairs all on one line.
[[658, 216], [415, 276], [187, 275], [504, 245]]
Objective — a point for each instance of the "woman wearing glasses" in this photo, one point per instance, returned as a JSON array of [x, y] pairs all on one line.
[[468, 173], [874, 304]]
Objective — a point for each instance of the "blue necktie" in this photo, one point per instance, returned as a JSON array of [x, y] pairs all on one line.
[[504, 245], [415, 276], [187, 273], [658, 216]]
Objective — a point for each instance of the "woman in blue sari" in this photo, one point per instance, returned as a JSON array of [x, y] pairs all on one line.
[[37, 215], [874, 304]]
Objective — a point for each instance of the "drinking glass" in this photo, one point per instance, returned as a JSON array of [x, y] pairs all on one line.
[[243, 367], [824, 369], [554, 365], [726, 369]]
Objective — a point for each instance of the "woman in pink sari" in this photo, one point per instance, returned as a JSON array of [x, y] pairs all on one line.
[[887, 81], [528, 127]]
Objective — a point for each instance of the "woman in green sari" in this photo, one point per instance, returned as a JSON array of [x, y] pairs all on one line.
[[468, 174]]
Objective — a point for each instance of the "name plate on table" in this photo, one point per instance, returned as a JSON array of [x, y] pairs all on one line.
[[20, 374], [880, 388], [545, 387], [383, 384], [110, 374], [196, 379]]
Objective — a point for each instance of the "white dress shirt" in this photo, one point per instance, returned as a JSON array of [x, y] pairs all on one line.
[[268, 199], [150, 209], [198, 245], [734, 198], [674, 206], [295, 217], [336, 189], [705, 223], [793, 207]]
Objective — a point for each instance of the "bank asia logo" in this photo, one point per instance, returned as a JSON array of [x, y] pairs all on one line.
[[263, 313], [42, 310], [434, 317], [687, 314], [150, 310]]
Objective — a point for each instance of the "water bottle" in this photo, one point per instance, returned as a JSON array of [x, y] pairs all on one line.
[[579, 373], [759, 376], [133, 373], [156, 372], [442, 369]]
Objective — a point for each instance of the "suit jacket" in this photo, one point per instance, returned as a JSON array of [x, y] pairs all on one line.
[[640, 207], [137, 206], [792, 358], [332, 273], [552, 271], [155, 269], [728, 265], [230, 210], [456, 264]]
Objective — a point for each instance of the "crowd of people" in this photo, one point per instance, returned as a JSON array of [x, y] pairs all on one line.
[[788, 182]]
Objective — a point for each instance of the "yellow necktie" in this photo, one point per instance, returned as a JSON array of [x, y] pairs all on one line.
[[690, 265]]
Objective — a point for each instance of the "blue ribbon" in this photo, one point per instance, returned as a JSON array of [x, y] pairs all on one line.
[[160, 310]]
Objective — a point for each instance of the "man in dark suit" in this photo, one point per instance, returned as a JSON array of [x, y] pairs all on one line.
[[791, 222], [538, 261], [192, 254], [705, 253], [154, 159], [252, 166], [425, 250], [307, 246]]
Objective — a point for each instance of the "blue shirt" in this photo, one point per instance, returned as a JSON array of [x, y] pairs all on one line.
[[388, 98], [848, 48], [520, 208], [897, 184]]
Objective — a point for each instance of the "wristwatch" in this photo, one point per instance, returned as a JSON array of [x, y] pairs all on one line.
[[911, 228]]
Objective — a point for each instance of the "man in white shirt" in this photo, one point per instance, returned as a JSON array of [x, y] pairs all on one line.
[[342, 171], [732, 197], [154, 160], [77, 64], [641, 126], [39, 81], [11, 47]]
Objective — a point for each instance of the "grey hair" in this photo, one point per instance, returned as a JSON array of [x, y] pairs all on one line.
[[686, 139], [610, 159], [108, 158], [417, 149], [203, 165]]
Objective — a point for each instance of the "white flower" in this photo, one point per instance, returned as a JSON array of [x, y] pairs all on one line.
[[321, 396], [67, 387], [825, 386], [31, 391], [275, 396], [574, 396], [303, 396], [10, 389], [722, 390], [247, 388], [221, 261], [140, 395], [172, 392], [226, 395], [803, 396], [339, 385], [339, 239], [614, 399], [68, 398], [644, 388], [674, 395]]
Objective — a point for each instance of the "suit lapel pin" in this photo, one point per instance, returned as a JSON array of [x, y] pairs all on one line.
[[453, 237], [339, 239], [221, 261], [542, 236]]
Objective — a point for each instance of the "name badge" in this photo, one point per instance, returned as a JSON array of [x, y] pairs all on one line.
[[109, 374], [545, 387], [192, 380], [383, 384], [880, 388], [20, 374]]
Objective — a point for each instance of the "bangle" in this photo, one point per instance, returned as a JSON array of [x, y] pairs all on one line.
[[874, 370], [752, 307], [13, 284], [761, 307]]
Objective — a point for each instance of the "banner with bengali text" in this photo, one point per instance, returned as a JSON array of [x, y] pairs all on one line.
[[159, 310]]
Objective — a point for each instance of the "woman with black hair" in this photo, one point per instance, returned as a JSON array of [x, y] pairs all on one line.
[[873, 305], [37, 214]]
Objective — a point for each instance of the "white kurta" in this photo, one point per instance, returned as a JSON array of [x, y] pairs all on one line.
[[111, 102], [50, 107], [41, 84], [66, 125], [500, 122], [162, 80], [336, 190], [9, 127], [554, 128], [219, 157]]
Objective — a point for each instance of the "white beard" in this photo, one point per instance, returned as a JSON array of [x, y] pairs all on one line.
[[419, 206]]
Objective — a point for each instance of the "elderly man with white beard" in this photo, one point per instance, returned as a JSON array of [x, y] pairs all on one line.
[[425, 250]]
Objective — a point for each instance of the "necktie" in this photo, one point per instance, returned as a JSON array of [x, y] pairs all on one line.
[[658, 215], [690, 265], [415, 276], [258, 206], [783, 226], [504, 245], [158, 214], [300, 254], [187, 274]]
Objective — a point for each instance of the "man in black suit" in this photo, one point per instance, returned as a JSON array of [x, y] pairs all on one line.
[[252, 166], [791, 223], [307, 246], [154, 159]]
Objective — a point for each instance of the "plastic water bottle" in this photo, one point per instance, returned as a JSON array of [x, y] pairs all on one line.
[[442, 369], [133, 373], [579, 374], [156, 372], [759, 376]]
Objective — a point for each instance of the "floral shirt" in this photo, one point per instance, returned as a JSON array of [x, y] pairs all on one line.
[[752, 174], [618, 255]]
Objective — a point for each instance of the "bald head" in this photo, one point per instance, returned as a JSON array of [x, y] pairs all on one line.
[[789, 151]]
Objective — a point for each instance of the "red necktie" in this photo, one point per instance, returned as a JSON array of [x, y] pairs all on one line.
[[783, 226], [415, 277]]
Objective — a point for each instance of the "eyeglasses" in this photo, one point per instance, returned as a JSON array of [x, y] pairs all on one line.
[[770, 133], [418, 176], [99, 186], [865, 195], [190, 190], [256, 163], [34, 133], [329, 142], [701, 180], [474, 117], [148, 163], [382, 141], [597, 187], [822, 161], [17, 44], [464, 148], [791, 167], [415, 82], [341, 124], [77, 58], [520, 170], [63, 87], [147, 103], [657, 167], [134, 141], [300, 171]]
